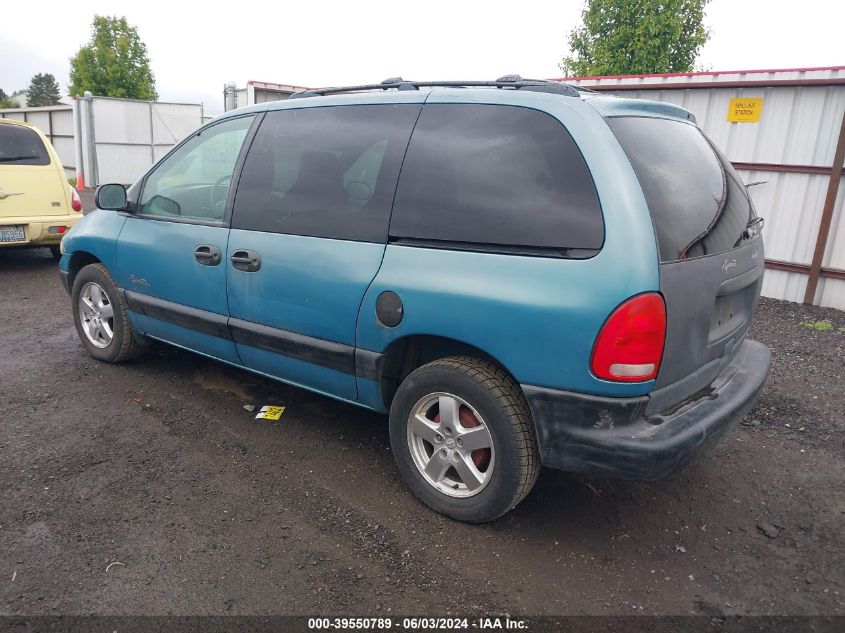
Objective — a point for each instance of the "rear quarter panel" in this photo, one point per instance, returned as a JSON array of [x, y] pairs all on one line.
[[536, 316]]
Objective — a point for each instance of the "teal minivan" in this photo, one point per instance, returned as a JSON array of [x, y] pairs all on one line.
[[518, 272]]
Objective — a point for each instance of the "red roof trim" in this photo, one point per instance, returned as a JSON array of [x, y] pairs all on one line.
[[707, 72]]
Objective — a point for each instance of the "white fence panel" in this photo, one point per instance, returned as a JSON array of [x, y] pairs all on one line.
[[41, 120], [174, 121], [63, 122], [121, 121], [64, 148], [122, 163], [130, 135]]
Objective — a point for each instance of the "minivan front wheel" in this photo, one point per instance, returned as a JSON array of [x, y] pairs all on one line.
[[461, 433], [100, 316]]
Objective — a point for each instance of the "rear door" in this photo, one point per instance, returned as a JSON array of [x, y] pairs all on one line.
[[31, 182], [309, 228], [711, 254]]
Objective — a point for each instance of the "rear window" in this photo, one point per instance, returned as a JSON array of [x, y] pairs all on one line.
[[496, 175], [21, 146], [698, 204]]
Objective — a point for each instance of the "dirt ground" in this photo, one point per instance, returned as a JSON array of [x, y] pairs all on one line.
[[146, 488]]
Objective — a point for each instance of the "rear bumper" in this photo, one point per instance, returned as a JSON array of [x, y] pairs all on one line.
[[612, 437], [36, 228]]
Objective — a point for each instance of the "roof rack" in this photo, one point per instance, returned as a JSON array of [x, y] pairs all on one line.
[[510, 82]]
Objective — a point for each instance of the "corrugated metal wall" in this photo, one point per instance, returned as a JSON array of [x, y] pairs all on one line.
[[792, 146], [129, 135], [132, 135]]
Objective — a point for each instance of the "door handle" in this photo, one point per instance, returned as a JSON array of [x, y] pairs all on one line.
[[247, 261], [208, 255]]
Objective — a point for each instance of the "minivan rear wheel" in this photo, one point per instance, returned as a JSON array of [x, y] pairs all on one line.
[[100, 316], [462, 437]]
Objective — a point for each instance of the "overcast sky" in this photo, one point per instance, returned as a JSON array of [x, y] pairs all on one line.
[[195, 48]]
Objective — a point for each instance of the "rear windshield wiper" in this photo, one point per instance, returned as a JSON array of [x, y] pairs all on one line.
[[754, 226], [8, 159], [752, 229]]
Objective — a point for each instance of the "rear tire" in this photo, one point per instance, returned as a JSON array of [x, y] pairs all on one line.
[[100, 316], [479, 459], [56, 252]]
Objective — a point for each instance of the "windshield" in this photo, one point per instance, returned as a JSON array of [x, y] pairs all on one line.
[[698, 204]]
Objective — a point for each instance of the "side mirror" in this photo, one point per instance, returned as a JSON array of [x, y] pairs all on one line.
[[111, 197]]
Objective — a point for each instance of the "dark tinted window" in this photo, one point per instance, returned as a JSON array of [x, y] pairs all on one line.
[[698, 204], [21, 146], [496, 175], [324, 172]]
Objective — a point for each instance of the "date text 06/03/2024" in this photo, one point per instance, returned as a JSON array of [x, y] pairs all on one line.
[[418, 623]]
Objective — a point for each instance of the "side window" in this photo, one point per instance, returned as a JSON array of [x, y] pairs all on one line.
[[324, 172], [496, 175], [193, 182]]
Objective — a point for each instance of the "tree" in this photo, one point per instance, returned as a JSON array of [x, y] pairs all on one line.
[[43, 91], [5, 102], [113, 63], [635, 37]]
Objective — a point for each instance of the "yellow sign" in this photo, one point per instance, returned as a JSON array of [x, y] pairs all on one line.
[[270, 413], [745, 109]]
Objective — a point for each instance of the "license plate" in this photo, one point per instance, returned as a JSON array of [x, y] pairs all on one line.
[[12, 233]]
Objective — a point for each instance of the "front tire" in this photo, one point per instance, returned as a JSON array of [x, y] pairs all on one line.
[[100, 316], [462, 437]]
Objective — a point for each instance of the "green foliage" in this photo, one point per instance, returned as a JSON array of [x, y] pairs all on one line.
[[635, 37], [820, 326], [4, 100], [43, 91], [114, 63]]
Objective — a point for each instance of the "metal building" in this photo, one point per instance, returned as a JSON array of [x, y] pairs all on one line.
[[784, 127], [256, 92]]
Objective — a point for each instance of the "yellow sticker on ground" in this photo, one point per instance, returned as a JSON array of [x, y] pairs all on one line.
[[745, 109], [270, 412]]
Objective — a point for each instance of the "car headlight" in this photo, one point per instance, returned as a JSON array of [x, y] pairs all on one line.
[[62, 246]]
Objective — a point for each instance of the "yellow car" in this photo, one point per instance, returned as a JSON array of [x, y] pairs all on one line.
[[37, 204]]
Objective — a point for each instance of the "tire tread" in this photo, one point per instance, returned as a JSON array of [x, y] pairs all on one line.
[[129, 345], [498, 383]]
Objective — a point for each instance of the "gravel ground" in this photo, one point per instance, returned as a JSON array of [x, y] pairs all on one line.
[[146, 488]]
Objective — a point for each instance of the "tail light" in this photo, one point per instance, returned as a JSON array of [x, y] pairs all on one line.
[[629, 346], [75, 202]]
